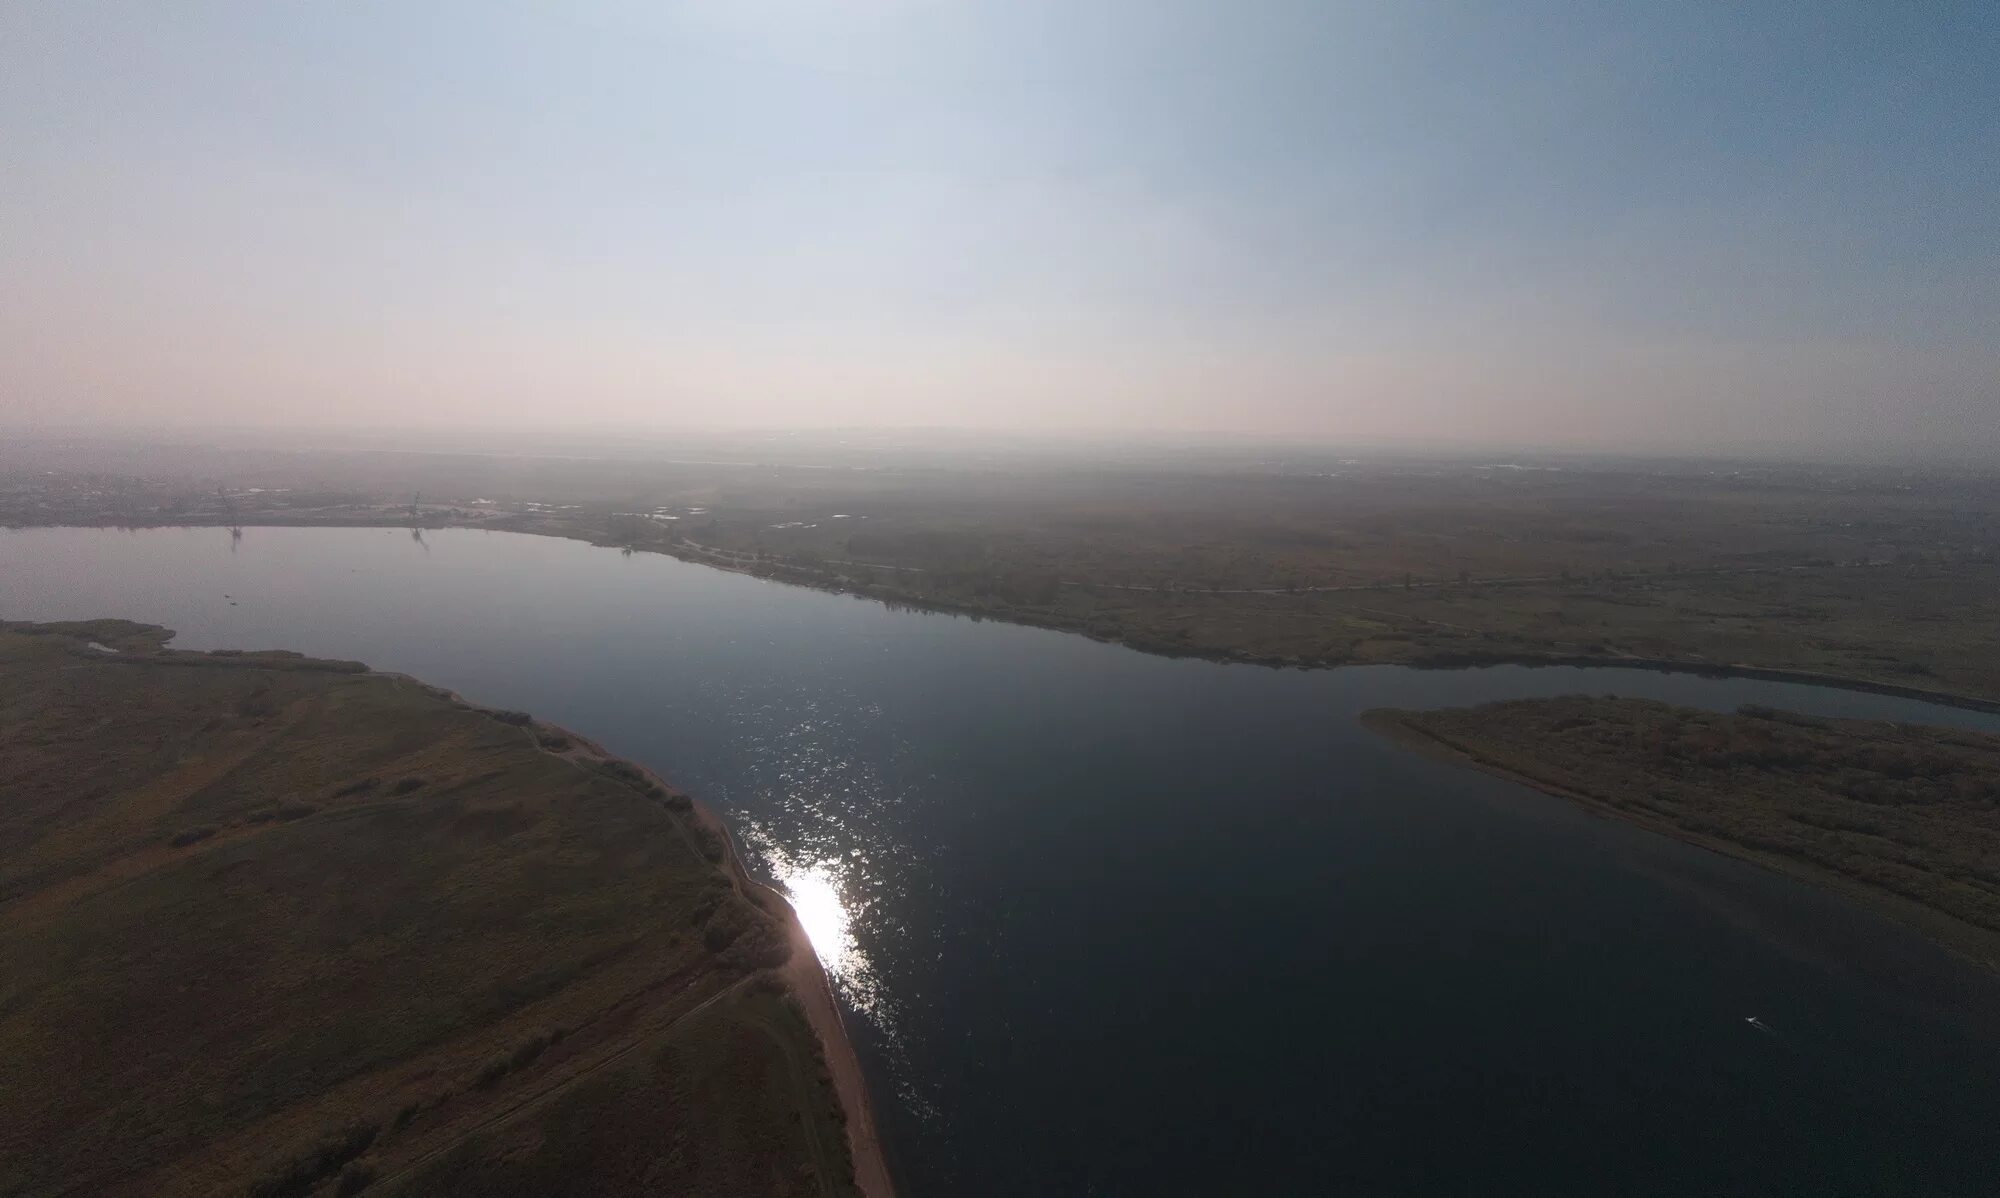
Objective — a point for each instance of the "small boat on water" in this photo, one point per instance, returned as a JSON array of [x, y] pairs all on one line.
[[1757, 1023]]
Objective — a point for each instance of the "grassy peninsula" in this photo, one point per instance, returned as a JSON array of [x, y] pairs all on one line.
[[1902, 817], [273, 926]]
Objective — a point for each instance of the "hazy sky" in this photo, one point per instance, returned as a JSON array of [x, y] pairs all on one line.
[[1741, 223]]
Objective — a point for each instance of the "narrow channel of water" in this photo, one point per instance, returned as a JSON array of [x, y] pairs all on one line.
[[1118, 924]]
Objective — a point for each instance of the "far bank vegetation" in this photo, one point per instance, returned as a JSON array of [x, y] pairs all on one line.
[[1885, 809]]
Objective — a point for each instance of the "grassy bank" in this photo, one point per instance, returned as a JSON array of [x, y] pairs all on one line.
[[274, 926], [1902, 817]]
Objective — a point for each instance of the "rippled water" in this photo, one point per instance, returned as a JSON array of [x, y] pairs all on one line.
[[1117, 924]]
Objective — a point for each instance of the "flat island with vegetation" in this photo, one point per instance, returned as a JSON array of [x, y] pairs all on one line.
[[1905, 818], [277, 926]]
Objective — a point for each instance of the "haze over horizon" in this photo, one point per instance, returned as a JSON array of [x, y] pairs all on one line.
[[1710, 226]]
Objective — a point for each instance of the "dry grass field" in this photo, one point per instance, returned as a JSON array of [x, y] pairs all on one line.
[[272, 926]]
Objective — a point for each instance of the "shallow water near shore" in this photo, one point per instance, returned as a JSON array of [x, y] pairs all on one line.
[[1116, 924]]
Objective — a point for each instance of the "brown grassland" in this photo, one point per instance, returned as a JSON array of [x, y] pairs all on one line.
[[1902, 817], [273, 926]]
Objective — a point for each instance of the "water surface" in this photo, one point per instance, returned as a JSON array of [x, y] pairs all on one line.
[[1118, 924]]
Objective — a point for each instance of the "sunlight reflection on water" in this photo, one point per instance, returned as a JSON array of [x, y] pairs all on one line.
[[819, 890], [816, 897], [831, 794], [828, 891]]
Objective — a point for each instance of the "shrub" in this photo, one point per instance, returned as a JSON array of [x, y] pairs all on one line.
[[762, 946], [355, 1178], [303, 1173], [525, 1053], [626, 772], [492, 1071], [711, 842]]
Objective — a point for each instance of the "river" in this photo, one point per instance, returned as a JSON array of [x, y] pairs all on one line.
[[1108, 923]]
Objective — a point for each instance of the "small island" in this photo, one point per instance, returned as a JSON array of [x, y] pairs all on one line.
[[278, 926], [1904, 818]]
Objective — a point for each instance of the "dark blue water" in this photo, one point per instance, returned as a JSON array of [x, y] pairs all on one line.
[[1118, 924]]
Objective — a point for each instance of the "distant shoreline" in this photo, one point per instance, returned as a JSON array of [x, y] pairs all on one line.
[[1438, 660]]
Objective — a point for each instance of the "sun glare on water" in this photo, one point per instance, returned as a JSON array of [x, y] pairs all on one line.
[[826, 880], [814, 892]]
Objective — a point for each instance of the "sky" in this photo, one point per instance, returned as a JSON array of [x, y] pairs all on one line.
[[1728, 224]]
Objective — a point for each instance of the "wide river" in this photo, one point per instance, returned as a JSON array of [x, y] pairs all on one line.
[[1116, 924]]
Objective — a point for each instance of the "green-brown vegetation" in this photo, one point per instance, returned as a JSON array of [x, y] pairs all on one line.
[[1902, 816], [273, 926], [1291, 556]]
